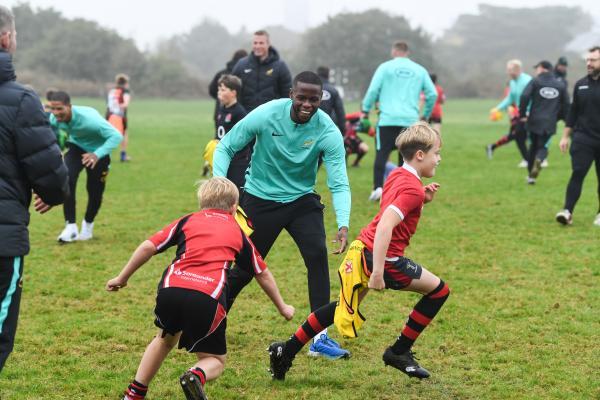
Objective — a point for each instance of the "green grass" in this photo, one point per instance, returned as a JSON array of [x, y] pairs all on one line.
[[522, 321]]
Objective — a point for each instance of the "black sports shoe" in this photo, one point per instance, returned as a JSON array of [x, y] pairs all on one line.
[[279, 364], [536, 168], [192, 387], [405, 362]]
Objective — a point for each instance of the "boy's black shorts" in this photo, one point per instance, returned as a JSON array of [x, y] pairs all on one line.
[[397, 274], [435, 120], [200, 318]]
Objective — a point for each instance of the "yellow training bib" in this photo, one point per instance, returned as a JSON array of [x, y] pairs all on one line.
[[354, 279]]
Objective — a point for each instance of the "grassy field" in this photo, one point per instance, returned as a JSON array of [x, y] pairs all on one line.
[[522, 321]]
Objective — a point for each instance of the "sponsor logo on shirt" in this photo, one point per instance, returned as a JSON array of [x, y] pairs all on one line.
[[549, 93], [228, 118], [247, 70], [307, 143], [583, 87], [404, 73], [193, 277], [276, 134], [326, 95], [269, 72]]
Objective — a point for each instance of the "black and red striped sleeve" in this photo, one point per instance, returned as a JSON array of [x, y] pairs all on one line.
[[168, 236], [249, 259]]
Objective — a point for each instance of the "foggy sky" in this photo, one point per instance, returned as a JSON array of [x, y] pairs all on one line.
[[147, 21]]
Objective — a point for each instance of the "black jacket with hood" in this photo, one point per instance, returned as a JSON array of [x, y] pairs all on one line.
[[29, 160]]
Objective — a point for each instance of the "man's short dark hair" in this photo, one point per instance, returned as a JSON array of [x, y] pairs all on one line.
[[593, 49], [400, 46], [60, 95], [49, 93], [323, 72], [308, 77], [261, 32], [433, 78], [231, 82]]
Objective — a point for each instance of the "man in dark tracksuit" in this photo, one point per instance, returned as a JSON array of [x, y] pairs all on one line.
[[264, 75], [331, 102], [583, 125], [549, 102], [29, 160]]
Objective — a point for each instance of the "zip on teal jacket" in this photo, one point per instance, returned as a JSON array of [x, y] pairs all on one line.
[[516, 87], [89, 130], [397, 85], [286, 155]]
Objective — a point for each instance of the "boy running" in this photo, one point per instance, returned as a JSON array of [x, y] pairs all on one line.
[[376, 261], [190, 304]]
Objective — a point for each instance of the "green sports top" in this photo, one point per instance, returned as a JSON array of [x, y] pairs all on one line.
[[397, 85], [516, 87], [286, 155], [89, 130]]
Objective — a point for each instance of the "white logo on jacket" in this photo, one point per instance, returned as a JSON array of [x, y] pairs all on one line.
[[549, 92], [326, 95]]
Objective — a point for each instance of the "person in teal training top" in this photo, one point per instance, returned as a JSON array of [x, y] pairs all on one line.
[[279, 193], [518, 81], [91, 138], [397, 86]]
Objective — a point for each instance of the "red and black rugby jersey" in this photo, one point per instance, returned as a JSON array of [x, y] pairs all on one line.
[[208, 241], [402, 192]]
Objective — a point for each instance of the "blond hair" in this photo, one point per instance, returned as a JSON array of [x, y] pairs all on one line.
[[219, 193], [514, 63], [420, 136]]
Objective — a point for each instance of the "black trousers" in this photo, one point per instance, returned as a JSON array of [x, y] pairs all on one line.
[[582, 157], [11, 282], [518, 133], [385, 144], [303, 219], [537, 149], [96, 183]]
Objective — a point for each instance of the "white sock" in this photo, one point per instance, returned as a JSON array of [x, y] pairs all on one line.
[[318, 335]]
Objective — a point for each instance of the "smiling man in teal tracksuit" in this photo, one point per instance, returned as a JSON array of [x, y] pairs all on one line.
[[397, 85], [279, 193]]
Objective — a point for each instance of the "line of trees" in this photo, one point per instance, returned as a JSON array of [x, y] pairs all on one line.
[[469, 58]]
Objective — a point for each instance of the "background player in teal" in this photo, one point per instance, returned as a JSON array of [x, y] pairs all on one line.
[[279, 194], [91, 139], [518, 81], [397, 85]]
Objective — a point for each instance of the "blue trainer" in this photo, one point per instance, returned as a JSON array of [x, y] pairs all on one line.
[[327, 347]]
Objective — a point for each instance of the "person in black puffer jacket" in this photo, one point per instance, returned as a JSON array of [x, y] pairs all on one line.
[[264, 75], [29, 160]]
